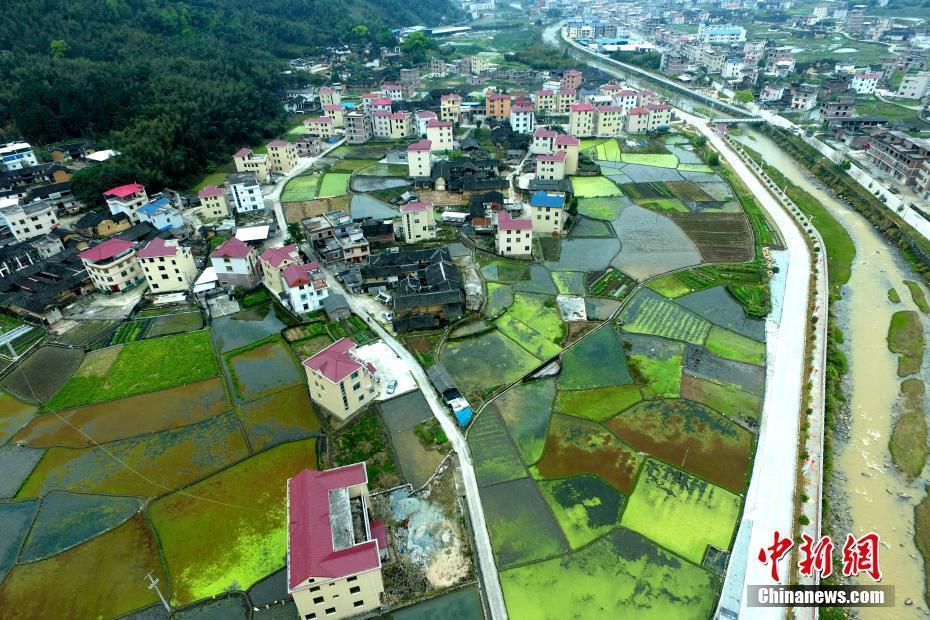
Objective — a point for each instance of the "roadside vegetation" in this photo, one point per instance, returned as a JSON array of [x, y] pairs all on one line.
[[906, 338], [908, 444]]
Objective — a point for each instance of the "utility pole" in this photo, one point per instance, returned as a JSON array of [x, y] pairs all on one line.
[[153, 584]]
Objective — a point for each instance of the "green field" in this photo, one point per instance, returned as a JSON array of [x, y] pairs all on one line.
[[658, 160], [594, 187], [597, 404], [143, 366], [482, 363], [724, 398], [622, 576], [525, 410], [534, 323], [585, 506], [605, 208], [245, 503], [301, 188], [334, 184], [695, 168], [590, 143], [596, 361], [607, 151], [680, 512], [669, 286], [496, 458], [734, 346], [652, 314], [659, 378]]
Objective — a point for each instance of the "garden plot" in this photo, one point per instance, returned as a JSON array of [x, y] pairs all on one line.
[[247, 504], [237, 330], [585, 506], [496, 458], [539, 281], [505, 271], [685, 154], [87, 331], [701, 363], [68, 519], [731, 345], [284, 416], [622, 576], [385, 170], [499, 297], [608, 150], [717, 305], [145, 466], [547, 331], [301, 188], [647, 191], [103, 578], [616, 176], [680, 512], [401, 415], [138, 367], [41, 375], [651, 244], [687, 191], [600, 309], [483, 362], [717, 189], [692, 436], [586, 227], [599, 403], [14, 414], [590, 143], [670, 287], [576, 446], [695, 169], [549, 248], [16, 463], [720, 237], [651, 174], [127, 417], [723, 397], [569, 282], [334, 184], [169, 324], [522, 528], [470, 329], [585, 254], [594, 187], [525, 410], [266, 368], [595, 361], [373, 150], [657, 160], [650, 313], [15, 520]]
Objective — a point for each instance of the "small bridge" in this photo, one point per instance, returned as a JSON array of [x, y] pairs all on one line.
[[735, 121]]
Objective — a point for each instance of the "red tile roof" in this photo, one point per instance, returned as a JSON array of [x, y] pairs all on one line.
[[243, 152], [422, 145], [543, 132], [110, 248], [334, 362], [525, 108], [310, 537], [327, 91], [657, 106], [232, 248], [581, 107], [381, 113], [158, 247], [609, 108], [439, 124], [627, 93], [567, 91], [505, 222], [555, 157], [210, 191], [426, 114], [545, 92], [381, 102], [332, 107], [390, 87], [497, 96], [413, 207], [566, 140], [572, 72], [277, 143], [296, 274], [276, 256], [124, 190], [637, 111], [398, 116], [451, 97]]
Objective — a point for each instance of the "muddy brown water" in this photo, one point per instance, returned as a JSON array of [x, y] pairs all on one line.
[[869, 494]]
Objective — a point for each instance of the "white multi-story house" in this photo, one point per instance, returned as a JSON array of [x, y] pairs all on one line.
[[864, 83], [423, 117], [550, 167], [125, 199], [329, 96], [439, 133], [234, 263], [17, 155], [915, 86], [581, 120], [514, 236], [720, 34], [543, 141], [417, 222], [112, 265], [167, 265], [523, 118], [450, 107], [243, 193], [419, 159], [30, 220], [306, 287]]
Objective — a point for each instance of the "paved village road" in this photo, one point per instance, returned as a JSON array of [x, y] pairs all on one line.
[[488, 568]]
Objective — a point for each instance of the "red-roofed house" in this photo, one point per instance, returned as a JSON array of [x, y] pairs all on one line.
[[581, 120], [381, 104], [394, 92], [112, 266], [419, 159], [864, 83], [272, 262], [571, 79], [570, 145], [545, 100], [125, 199], [339, 380], [659, 114], [333, 551], [247, 161], [550, 167], [497, 105], [564, 98], [422, 118], [329, 96], [234, 263], [321, 126], [336, 112], [637, 120], [417, 222], [167, 265], [608, 120], [543, 141], [514, 236], [213, 201], [439, 133], [282, 156], [450, 107], [381, 123], [523, 117], [306, 287]]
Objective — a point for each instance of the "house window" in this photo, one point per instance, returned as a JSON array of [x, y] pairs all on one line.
[[355, 589], [317, 600], [358, 603], [352, 578], [330, 611], [309, 616]]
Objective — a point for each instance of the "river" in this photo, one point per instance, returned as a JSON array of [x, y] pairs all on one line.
[[867, 491]]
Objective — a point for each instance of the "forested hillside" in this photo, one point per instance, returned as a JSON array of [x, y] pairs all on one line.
[[173, 85]]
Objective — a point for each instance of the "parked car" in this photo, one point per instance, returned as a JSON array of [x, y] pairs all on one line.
[[388, 316], [392, 386], [384, 298]]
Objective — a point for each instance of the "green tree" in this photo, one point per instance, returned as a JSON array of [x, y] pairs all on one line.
[[59, 47], [713, 159], [417, 46], [295, 233]]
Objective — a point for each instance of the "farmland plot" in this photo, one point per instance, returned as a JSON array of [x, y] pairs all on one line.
[[596, 361], [599, 403], [525, 410], [496, 459], [499, 297], [585, 506], [723, 397], [718, 306], [652, 244], [593, 187], [607, 208], [491, 359], [650, 313], [720, 237]]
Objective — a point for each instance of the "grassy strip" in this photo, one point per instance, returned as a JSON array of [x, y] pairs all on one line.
[[908, 442], [762, 230], [917, 294], [747, 282], [893, 296], [906, 338]]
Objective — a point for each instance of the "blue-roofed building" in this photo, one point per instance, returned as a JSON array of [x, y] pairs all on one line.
[[547, 212], [723, 34], [160, 214]]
